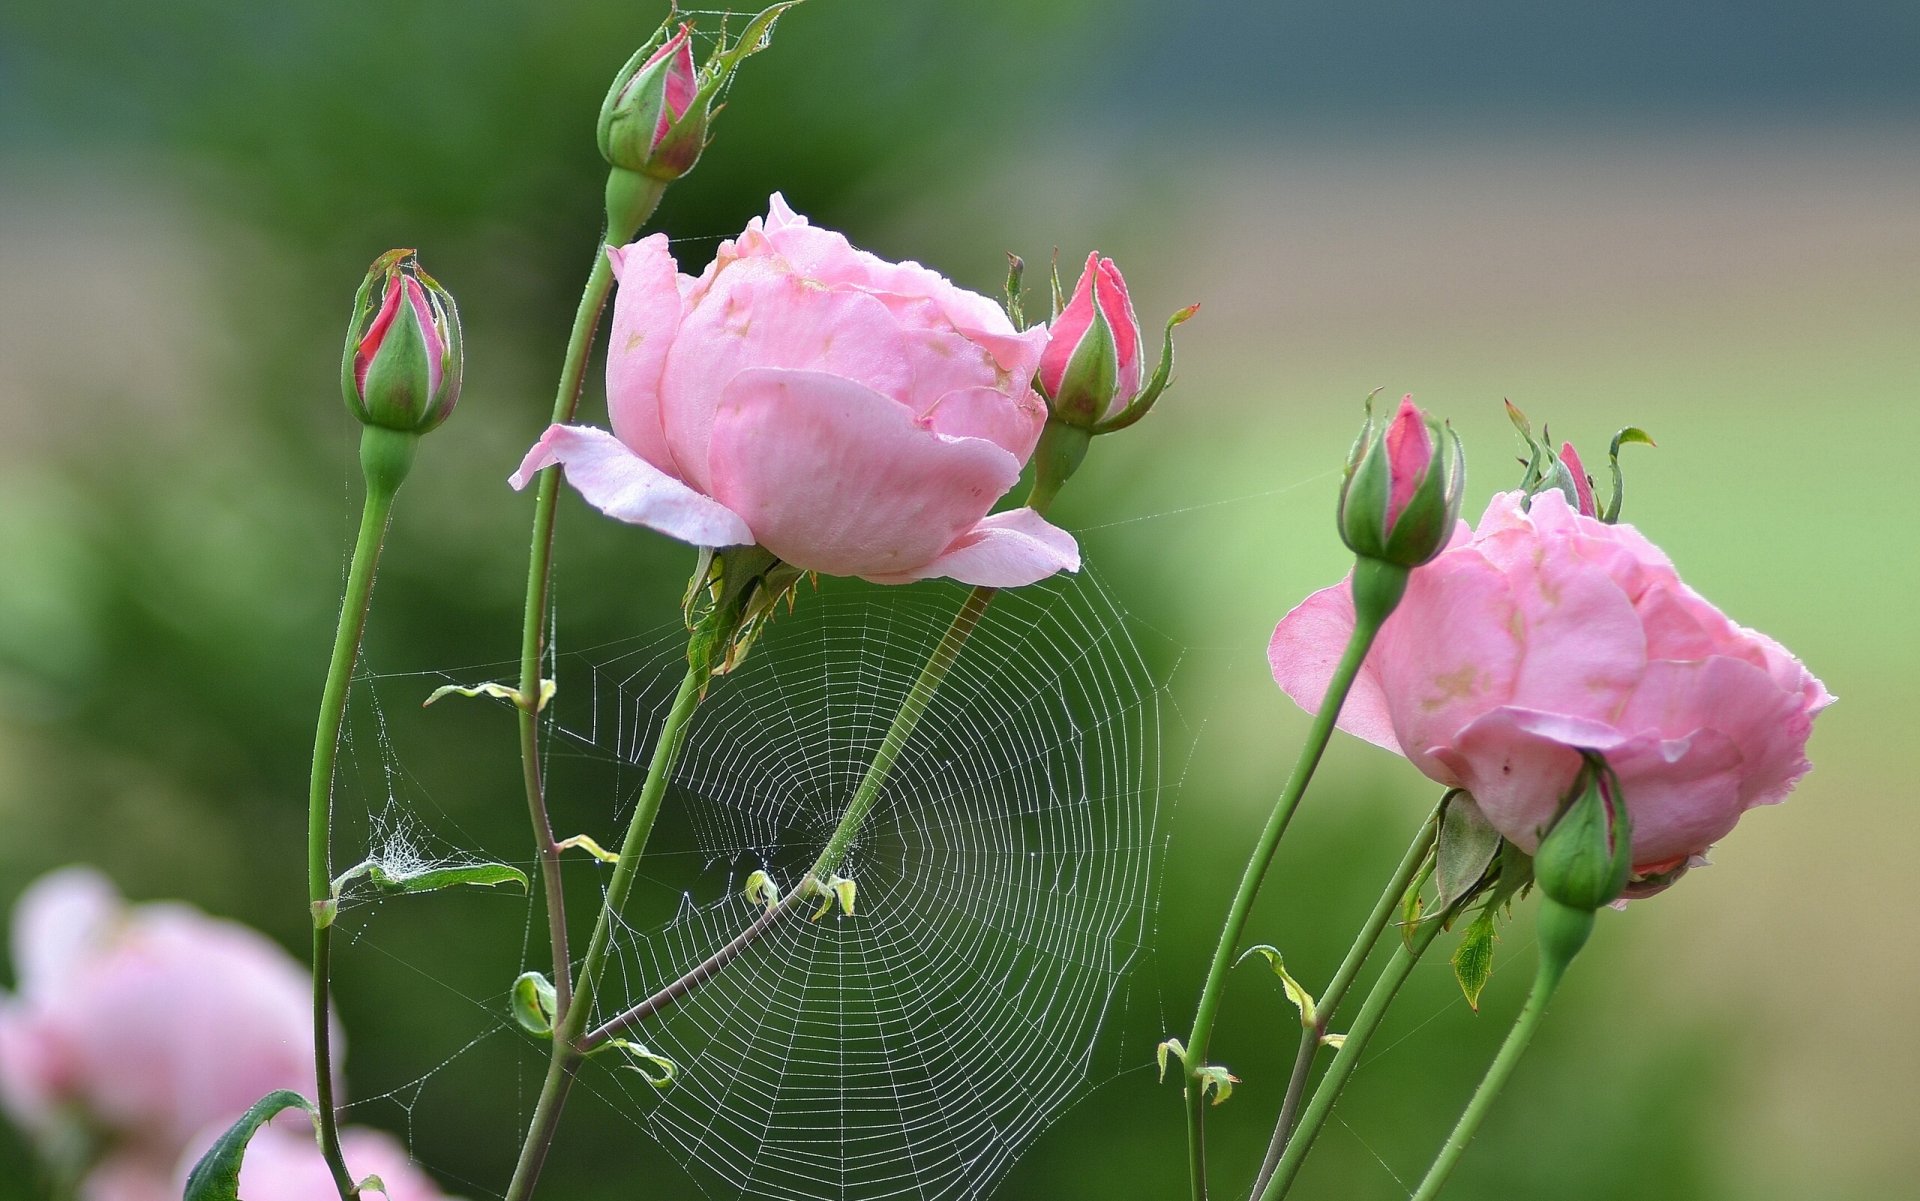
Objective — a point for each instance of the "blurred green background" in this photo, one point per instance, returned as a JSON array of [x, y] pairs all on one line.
[[1701, 219]]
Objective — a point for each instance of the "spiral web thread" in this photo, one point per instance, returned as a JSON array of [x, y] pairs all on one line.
[[1005, 881]]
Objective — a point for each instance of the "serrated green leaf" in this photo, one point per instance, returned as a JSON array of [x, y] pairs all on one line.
[[1473, 958], [533, 1003], [1218, 1079], [1464, 848], [216, 1177], [1296, 992]]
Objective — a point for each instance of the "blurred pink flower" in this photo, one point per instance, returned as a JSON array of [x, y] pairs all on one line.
[[1088, 390], [147, 1023], [853, 416], [1548, 630]]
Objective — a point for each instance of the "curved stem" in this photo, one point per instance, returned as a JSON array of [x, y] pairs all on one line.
[[374, 514], [1546, 979], [1385, 989], [912, 708], [567, 1031], [1329, 1004], [1368, 619], [627, 211]]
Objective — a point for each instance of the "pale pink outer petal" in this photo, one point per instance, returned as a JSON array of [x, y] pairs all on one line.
[[1447, 654], [836, 478], [626, 487], [759, 314], [1583, 649], [827, 257], [1005, 550], [1013, 424], [646, 315], [1517, 766], [1306, 647]]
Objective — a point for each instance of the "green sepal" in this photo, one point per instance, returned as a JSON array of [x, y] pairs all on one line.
[[1162, 379], [1173, 1045], [1584, 860], [1016, 312], [1473, 958], [393, 881], [534, 1004], [1630, 434], [1464, 848], [1296, 992], [216, 1176], [1090, 381]]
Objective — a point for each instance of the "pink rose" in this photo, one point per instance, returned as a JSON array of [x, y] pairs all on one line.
[[283, 1163], [150, 1022], [1547, 631], [852, 416]]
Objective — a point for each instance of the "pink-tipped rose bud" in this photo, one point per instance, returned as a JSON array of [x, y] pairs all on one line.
[[643, 125], [1403, 488], [1576, 474], [401, 369], [1091, 367]]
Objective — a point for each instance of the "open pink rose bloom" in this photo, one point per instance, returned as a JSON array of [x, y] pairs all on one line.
[[1546, 631], [853, 416]]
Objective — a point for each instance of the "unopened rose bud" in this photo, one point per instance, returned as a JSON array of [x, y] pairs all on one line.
[[644, 124], [401, 369], [1584, 860], [1403, 488], [1576, 475], [1092, 367]]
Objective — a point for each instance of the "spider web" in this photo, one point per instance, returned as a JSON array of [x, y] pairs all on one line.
[[915, 1047], [1006, 884]]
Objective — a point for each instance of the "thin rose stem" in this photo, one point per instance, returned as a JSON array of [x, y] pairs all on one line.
[[1366, 625], [376, 509], [1329, 1002], [628, 208], [1365, 1024]]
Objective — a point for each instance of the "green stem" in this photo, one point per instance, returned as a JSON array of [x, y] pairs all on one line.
[[1377, 588], [385, 457], [1575, 924], [1329, 1003], [1385, 989], [631, 199], [567, 1052]]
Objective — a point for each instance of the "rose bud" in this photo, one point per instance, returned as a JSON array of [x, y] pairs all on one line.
[[401, 370], [1584, 860], [1402, 493], [1091, 367], [642, 123]]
